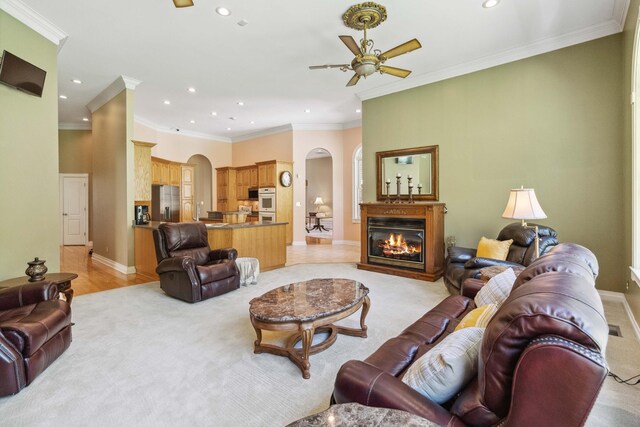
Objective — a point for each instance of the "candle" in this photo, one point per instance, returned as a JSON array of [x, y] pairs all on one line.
[[399, 175], [409, 176], [419, 185], [410, 185], [388, 181]]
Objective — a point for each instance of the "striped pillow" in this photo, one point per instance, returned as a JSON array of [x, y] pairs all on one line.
[[478, 317], [497, 289], [440, 373]]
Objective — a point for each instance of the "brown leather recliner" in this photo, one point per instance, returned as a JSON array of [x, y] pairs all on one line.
[[541, 361], [35, 329], [462, 263], [189, 270]]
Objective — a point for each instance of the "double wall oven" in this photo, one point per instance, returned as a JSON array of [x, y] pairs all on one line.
[[267, 204]]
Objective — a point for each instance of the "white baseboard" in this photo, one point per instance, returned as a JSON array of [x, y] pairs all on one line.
[[346, 242], [298, 243], [619, 297], [112, 264]]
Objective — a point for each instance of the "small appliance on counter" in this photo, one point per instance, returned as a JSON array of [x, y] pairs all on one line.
[[141, 214]]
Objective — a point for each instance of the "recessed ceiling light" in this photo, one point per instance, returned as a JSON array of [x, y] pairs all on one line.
[[228, 128], [243, 22], [84, 119], [358, 110], [490, 3], [167, 102], [192, 89], [213, 113], [307, 110], [232, 118], [63, 96], [252, 122], [223, 11], [192, 121], [240, 103], [76, 81]]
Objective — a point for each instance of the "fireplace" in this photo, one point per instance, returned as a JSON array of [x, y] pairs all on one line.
[[397, 242], [404, 239]]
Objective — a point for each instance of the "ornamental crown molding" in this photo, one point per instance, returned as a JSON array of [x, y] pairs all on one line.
[[118, 85], [35, 21]]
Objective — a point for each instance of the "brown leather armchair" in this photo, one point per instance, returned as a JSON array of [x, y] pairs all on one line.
[[188, 269], [35, 329], [541, 360], [462, 263]]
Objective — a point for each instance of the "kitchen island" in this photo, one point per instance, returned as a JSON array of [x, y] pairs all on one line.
[[264, 241]]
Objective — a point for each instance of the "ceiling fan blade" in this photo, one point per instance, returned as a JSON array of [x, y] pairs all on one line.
[[351, 44], [400, 50], [318, 67], [398, 72], [353, 80], [183, 3]]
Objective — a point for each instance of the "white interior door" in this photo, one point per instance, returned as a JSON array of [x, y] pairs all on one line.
[[74, 209]]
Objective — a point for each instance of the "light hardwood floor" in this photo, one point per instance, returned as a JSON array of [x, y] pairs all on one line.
[[95, 277]]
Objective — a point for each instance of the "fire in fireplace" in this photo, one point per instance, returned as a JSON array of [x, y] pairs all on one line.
[[397, 242]]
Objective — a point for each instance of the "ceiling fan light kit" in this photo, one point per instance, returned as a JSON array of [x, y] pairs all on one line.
[[368, 60], [183, 3]]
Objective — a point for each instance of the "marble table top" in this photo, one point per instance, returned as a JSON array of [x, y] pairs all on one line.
[[354, 414], [307, 301]]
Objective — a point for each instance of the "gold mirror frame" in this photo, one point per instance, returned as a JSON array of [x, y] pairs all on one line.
[[380, 181]]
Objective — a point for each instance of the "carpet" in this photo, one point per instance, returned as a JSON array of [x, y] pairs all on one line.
[[139, 357]]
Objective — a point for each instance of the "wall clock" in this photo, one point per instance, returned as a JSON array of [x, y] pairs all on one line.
[[285, 179]]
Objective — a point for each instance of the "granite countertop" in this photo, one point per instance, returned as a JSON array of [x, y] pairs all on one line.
[[225, 225], [354, 414]]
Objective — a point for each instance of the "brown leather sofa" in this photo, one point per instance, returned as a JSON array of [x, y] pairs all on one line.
[[462, 263], [35, 329], [541, 361], [188, 269]]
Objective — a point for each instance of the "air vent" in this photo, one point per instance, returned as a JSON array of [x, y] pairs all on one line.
[[614, 331]]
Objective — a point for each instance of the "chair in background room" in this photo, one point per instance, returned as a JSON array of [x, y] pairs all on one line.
[[35, 329], [189, 270]]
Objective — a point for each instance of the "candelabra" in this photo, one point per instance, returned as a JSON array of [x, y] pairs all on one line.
[[388, 199], [419, 188], [398, 189]]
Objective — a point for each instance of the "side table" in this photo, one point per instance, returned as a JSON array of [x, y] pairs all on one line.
[[61, 280]]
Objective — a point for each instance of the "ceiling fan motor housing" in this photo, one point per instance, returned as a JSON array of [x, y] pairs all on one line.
[[365, 65]]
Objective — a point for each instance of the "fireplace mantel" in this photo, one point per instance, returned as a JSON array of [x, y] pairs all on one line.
[[433, 246]]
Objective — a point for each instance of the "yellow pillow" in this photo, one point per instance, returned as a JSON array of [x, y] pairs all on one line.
[[496, 249], [478, 317]]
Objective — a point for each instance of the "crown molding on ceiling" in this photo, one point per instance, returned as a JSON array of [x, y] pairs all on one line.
[[263, 132], [613, 26], [175, 131], [74, 126], [35, 21], [118, 85], [297, 127], [352, 124]]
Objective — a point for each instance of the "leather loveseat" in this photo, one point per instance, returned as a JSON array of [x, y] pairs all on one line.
[[540, 361], [189, 270], [462, 263], [35, 329]]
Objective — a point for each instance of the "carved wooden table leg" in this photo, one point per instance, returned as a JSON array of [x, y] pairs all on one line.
[[256, 343], [365, 310], [306, 330]]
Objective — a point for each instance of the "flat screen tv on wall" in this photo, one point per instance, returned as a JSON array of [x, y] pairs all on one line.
[[20, 74]]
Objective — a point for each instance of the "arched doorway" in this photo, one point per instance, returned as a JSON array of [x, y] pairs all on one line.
[[203, 184], [319, 196]]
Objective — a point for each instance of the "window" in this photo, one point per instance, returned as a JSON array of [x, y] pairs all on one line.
[[357, 184]]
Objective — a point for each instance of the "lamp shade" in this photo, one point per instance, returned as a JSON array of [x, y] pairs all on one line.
[[523, 204], [318, 201]]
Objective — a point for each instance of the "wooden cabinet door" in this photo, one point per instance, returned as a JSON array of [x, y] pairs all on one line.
[[187, 211], [165, 173], [156, 173], [253, 177], [240, 180], [221, 178], [174, 174]]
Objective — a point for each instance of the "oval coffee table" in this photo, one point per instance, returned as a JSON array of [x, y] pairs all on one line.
[[306, 308]]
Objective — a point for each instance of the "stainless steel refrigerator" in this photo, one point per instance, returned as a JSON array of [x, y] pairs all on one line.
[[165, 202]]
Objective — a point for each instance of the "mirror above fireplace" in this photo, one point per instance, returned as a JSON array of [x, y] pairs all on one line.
[[419, 163]]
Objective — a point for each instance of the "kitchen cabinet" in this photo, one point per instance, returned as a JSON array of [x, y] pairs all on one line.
[[156, 172], [246, 177], [253, 177], [226, 189], [267, 174], [175, 173], [187, 181], [143, 172]]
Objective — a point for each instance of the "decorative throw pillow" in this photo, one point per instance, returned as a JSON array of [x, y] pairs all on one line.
[[478, 317], [440, 373], [497, 289], [496, 249]]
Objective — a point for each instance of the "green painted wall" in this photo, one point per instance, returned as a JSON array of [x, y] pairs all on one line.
[[553, 122], [29, 218]]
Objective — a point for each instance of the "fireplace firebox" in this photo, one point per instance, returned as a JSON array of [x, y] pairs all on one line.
[[397, 242], [404, 239]]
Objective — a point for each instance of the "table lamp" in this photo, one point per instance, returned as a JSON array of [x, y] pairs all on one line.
[[523, 205], [318, 203]]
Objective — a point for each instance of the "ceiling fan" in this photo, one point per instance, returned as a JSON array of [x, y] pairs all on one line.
[[368, 60], [183, 3]]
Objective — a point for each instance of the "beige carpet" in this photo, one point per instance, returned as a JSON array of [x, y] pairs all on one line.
[[142, 358]]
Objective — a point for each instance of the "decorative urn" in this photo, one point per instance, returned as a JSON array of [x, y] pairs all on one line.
[[36, 270]]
